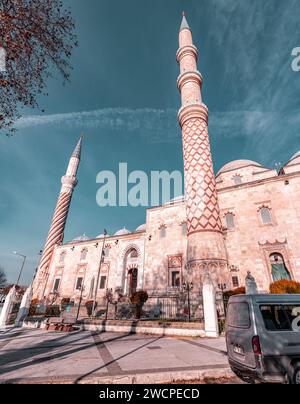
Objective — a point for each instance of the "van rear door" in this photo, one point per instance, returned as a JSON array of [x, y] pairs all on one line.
[[279, 329], [240, 332]]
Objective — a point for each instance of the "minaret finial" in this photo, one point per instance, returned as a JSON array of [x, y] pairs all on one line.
[[77, 151], [184, 23]]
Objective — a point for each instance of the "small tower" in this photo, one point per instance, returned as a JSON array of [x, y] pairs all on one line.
[[57, 228], [206, 247]]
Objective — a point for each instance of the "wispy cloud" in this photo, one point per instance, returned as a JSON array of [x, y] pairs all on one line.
[[122, 119]]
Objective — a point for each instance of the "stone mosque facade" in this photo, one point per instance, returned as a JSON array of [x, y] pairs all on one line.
[[245, 218]]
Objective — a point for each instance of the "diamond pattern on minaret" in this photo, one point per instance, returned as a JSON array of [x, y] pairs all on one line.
[[200, 187], [57, 228]]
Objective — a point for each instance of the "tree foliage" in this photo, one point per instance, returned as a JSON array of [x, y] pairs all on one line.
[[37, 36], [285, 287]]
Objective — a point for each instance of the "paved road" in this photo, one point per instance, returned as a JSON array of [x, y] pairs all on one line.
[[37, 356]]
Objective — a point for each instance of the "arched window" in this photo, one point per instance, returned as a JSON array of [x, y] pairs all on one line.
[[92, 285], [279, 269], [230, 224], [83, 254], [237, 179], [266, 216], [62, 257], [133, 254], [163, 231]]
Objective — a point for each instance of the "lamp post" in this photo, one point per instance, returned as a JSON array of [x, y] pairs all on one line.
[[98, 275], [22, 267], [223, 287], [188, 287]]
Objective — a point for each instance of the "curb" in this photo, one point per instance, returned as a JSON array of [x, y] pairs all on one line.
[[167, 377]]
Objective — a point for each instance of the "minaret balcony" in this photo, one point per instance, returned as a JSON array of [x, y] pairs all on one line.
[[189, 77], [189, 50], [193, 111]]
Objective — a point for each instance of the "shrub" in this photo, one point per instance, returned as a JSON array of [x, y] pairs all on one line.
[[65, 301], [139, 297], [238, 291], [53, 311], [285, 287]]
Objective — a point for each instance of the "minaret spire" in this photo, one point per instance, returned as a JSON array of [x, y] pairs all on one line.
[[57, 228], [184, 23], [205, 238], [77, 151]]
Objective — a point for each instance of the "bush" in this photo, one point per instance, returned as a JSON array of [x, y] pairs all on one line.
[[65, 301], [238, 291], [53, 311], [139, 297], [285, 287]]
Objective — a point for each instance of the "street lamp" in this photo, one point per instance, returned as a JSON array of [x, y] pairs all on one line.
[[23, 263], [188, 287], [98, 275]]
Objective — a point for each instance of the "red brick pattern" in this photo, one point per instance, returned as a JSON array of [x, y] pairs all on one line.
[[200, 187]]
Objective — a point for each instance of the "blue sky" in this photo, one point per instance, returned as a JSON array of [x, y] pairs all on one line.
[[123, 95]]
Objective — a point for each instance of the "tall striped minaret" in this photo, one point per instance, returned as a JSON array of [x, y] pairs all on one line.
[[57, 228], [205, 239]]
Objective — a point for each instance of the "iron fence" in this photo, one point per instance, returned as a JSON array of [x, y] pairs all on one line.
[[161, 309]]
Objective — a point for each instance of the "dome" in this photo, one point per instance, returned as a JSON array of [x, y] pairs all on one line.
[[236, 164], [180, 198], [122, 232], [142, 227], [102, 236], [81, 238], [295, 159]]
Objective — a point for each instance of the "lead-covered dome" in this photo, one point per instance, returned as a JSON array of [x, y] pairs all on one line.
[[237, 164], [122, 232], [142, 227], [295, 159], [102, 236], [83, 237]]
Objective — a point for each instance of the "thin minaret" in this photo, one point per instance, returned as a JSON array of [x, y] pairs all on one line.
[[57, 228], [205, 239]]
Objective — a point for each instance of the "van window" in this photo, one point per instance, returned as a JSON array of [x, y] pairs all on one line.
[[238, 315], [281, 317]]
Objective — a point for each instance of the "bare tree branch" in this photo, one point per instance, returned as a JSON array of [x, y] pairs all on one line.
[[37, 35]]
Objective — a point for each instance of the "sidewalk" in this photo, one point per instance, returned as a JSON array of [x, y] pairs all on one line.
[[37, 356]]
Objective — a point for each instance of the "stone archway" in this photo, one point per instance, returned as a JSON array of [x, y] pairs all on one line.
[[132, 282], [131, 266]]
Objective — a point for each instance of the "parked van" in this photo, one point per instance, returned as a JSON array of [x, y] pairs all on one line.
[[263, 337]]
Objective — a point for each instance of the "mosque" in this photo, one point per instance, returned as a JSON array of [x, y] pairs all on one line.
[[245, 218]]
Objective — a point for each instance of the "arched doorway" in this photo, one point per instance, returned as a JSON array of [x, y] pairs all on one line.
[[279, 269], [131, 265], [132, 281]]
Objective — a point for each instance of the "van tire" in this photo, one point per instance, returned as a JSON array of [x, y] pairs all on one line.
[[296, 375]]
